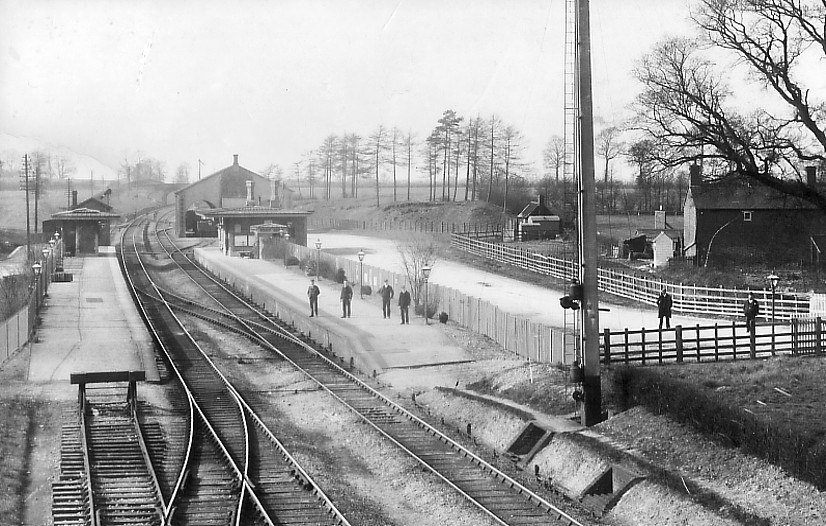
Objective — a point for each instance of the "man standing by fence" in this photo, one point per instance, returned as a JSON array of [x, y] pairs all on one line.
[[346, 297], [751, 309], [404, 305], [386, 292], [664, 309]]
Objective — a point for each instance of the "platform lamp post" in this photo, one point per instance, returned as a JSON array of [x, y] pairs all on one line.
[[36, 269], [361, 273], [286, 237], [46, 251], [426, 276], [317, 252]]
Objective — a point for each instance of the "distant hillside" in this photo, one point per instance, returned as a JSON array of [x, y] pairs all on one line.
[[13, 148]]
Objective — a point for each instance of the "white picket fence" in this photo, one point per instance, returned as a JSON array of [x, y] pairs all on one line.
[[688, 299]]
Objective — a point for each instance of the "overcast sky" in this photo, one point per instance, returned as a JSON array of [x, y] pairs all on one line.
[[182, 80]]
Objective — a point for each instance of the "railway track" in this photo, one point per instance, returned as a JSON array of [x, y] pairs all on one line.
[[234, 470], [106, 474], [496, 494]]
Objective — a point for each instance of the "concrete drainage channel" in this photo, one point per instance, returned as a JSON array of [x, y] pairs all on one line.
[[599, 496]]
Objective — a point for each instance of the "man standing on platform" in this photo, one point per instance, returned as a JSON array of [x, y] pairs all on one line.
[[313, 293], [386, 292], [346, 297], [404, 304]]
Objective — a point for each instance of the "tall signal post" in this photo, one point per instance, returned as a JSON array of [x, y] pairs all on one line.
[[579, 161]]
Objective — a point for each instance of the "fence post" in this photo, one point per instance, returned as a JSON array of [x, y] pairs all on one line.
[[642, 344], [606, 336], [793, 327], [818, 332], [678, 337], [753, 343], [734, 340]]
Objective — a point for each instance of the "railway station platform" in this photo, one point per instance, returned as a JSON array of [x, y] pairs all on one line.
[[90, 324], [372, 342]]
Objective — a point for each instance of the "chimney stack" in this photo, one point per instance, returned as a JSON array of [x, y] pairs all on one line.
[[695, 176], [74, 199], [235, 159], [811, 175]]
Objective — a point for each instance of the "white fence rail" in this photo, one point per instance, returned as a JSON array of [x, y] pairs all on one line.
[[688, 299]]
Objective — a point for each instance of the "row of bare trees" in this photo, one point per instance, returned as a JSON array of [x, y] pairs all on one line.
[[483, 157]]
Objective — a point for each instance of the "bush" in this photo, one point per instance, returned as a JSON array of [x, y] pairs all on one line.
[[366, 290], [292, 261], [341, 276]]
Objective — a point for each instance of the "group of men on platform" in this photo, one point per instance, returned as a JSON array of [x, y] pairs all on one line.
[[346, 297]]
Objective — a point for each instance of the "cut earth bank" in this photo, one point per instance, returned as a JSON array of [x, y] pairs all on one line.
[[685, 478]]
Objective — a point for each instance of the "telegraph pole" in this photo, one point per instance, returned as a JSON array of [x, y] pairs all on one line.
[[589, 313], [28, 226]]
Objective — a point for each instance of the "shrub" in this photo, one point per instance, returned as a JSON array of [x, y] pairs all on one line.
[[341, 276], [366, 290]]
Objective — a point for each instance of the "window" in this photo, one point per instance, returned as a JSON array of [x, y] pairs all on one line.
[[747, 217]]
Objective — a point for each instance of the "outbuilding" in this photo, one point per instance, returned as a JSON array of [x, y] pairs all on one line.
[[537, 221]]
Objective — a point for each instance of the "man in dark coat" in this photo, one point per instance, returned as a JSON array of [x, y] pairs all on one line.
[[750, 310], [386, 292], [664, 303], [346, 297], [312, 292], [404, 305]]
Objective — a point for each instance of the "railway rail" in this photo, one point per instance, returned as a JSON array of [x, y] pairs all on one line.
[[495, 493], [234, 471]]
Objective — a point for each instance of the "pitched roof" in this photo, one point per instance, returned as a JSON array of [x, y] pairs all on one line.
[[92, 200], [536, 208], [736, 194], [231, 170], [84, 213]]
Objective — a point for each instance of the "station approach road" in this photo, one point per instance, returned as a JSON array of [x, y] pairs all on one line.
[[539, 304]]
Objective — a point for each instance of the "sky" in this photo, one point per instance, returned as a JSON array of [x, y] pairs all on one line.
[[268, 80]]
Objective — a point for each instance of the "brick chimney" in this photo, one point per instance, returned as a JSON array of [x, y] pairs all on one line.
[[695, 175], [235, 159], [811, 175], [74, 199]]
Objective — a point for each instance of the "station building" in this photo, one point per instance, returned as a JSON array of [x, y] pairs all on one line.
[[229, 188], [83, 230], [255, 231]]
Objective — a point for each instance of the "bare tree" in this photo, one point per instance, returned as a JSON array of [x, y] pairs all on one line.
[[685, 105], [409, 141], [378, 147], [65, 167], [182, 173], [608, 147], [417, 251]]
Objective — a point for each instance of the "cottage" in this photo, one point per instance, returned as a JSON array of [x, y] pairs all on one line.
[[746, 221], [536, 221]]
